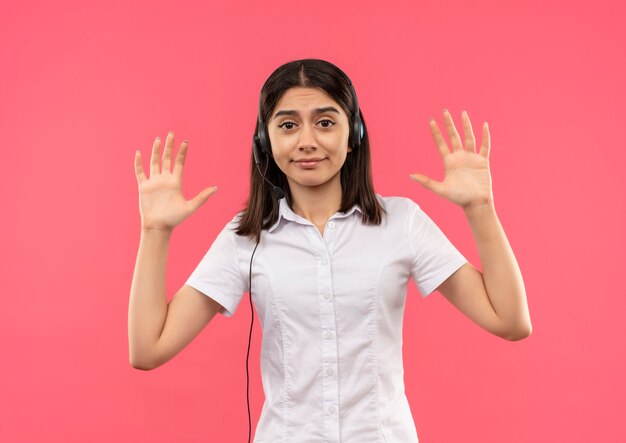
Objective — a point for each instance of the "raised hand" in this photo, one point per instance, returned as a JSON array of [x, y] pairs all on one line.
[[161, 201], [467, 180]]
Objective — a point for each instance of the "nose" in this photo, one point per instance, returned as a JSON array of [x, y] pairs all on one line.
[[307, 139]]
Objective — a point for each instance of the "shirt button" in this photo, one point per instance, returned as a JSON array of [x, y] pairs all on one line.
[[332, 409], [328, 335], [329, 371], [323, 261], [331, 224], [326, 296]]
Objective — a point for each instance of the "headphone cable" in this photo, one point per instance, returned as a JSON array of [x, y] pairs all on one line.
[[249, 340]]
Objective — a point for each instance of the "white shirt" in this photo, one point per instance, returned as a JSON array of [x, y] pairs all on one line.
[[331, 309]]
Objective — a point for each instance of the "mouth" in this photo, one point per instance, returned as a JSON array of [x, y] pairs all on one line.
[[309, 162]]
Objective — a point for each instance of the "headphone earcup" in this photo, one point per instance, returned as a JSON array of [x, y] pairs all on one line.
[[263, 140], [357, 133], [256, 149]]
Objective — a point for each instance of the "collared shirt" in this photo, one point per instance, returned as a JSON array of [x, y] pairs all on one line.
[[331, 308]]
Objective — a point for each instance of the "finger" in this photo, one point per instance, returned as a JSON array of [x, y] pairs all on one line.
[[454, 135], [141, 176], [180, 159], [155, 164], [167, 153], [202, 197], [486, 142], [428, 183], [470, 141], [438, 137]]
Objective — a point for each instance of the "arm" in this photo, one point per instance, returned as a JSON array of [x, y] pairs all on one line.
[[501, 273], [496, 298], [157, 330], [162, 207], [147, 307]]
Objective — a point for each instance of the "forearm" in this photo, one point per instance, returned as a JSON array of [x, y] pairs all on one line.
[[147, 307], [501, 273]]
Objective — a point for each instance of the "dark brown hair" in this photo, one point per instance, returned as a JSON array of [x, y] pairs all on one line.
[[261, 210]]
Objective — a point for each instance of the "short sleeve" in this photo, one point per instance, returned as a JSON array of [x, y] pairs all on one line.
[[434, 257], [217, 275]]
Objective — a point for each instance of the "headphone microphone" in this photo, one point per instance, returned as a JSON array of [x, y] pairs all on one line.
[[277, 192]]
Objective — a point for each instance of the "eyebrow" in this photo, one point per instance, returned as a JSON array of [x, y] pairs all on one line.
[[315, 111]]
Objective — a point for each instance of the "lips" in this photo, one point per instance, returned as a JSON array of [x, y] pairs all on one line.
[[308, 162]]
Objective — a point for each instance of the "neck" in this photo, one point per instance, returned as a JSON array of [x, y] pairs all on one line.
[[316, 203]]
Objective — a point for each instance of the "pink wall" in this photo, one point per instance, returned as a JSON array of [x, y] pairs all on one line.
[[82, 87]]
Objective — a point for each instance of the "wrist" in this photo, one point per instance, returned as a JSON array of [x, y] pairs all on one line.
[[478, 209], [156, 232]]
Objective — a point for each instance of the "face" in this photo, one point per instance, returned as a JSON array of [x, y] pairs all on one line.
[[309, 134]]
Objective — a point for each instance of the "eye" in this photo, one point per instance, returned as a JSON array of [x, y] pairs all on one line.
[[286, 123], [289, 125]]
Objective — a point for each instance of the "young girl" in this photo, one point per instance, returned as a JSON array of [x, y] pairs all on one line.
[[326, 261]]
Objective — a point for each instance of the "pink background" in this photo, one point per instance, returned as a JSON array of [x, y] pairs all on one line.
[[83, 86]]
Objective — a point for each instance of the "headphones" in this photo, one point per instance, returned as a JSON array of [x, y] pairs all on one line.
[[261, 147]]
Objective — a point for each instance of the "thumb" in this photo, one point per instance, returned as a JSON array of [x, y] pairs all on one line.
[[202, 197], [428, 183]]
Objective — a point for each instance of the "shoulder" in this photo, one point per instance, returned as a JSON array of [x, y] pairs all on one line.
[[228, 231], [236, 219], [394, 204], [232, 226], [400, 212]]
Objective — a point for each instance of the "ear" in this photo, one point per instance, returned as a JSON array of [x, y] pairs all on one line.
[[349, 148]]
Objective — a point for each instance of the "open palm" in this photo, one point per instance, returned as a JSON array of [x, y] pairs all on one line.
[[467, 180], [162, 205]]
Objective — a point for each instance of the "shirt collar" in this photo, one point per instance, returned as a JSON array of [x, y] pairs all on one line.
[[285, 212]]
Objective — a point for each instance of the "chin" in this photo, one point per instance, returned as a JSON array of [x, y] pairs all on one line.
[[311, 182]]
